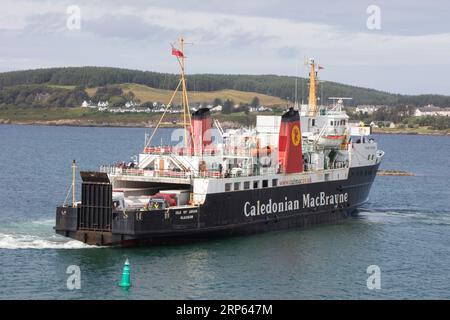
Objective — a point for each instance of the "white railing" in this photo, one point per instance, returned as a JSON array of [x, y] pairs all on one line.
[[114, 170], [225, 151], [146, 173]]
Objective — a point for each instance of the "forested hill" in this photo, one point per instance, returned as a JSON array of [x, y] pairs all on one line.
[[279, 86]]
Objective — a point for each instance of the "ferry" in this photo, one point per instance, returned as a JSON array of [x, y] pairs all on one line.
[[305, 167]]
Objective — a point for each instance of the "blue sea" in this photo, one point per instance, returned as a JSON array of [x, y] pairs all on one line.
[[404, 230]]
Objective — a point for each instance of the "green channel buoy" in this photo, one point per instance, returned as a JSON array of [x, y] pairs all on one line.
[[126, 282]]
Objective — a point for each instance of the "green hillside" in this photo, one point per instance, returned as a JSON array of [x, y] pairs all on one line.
[[145, 93], [270, 85]]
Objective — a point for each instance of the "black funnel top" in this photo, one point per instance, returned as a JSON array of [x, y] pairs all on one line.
[[201, 113], [290, 115]]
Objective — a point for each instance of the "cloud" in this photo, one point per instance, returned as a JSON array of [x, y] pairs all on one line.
[[126, 27], [274, 35], [257, 37], [229, 32], [16, 14]]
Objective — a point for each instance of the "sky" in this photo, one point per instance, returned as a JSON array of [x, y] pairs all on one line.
[[395, 46]]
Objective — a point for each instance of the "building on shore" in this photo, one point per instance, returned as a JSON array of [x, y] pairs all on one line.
[[88, 104], [431, 110], [367, 109]]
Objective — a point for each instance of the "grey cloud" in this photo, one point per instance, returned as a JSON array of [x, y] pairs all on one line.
[[44, 24], [288, 52], [126, 27], [129, 41]]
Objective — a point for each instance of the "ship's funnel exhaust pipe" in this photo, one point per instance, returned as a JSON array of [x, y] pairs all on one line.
[[201, 126], [290, 143]]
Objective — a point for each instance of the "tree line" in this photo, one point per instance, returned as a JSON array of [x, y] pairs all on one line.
[[279, 86], [404, 116], [41, 96]]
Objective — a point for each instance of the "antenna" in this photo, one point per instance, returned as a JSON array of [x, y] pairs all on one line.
[[340, 100], [296, 87], [321, 91], [303, 90], [305, 61]]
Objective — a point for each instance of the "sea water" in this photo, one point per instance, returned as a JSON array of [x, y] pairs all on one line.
[[404, 230]]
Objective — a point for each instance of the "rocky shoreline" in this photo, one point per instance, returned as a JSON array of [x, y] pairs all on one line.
[[412, 132], [144, 124], [90, 123], [394, 173]]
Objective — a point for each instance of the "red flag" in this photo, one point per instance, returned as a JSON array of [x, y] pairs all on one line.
[[320, 67], [177, 53]]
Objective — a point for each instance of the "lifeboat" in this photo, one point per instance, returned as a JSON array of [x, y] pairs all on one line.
[[331, 140]]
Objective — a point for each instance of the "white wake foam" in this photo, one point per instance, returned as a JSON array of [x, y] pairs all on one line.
[[16, 241], [437, 218], [47, 222], [37, 234]]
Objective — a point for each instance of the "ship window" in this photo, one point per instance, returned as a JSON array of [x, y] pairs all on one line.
[[265, 183], [331, 122], [246, 185], [255, 184], [227, 186], [274, 182], [313, 122], [237, 185], [368, 158]]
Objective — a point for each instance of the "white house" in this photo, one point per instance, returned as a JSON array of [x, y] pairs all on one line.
[[89, 104], [130, 104], [259, 109], [431, 110], [103, 104], [216, 108], [367, 109]]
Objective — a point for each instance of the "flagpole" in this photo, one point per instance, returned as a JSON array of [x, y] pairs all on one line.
[[184, 98], [185, 101]]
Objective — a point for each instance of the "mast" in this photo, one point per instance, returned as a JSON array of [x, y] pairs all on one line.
[[179, 54], [296, 98], [74, 172], [312, 102], [184, 100]]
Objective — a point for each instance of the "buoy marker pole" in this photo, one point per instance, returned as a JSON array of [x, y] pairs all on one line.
[[74, 177]]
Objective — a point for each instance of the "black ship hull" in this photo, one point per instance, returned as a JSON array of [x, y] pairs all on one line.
[[222, 214]]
